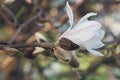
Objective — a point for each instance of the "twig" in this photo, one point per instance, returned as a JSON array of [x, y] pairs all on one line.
[[23, 25], [43, 45], [9, 12], [4, 43]]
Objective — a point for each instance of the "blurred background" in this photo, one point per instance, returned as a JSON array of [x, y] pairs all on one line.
[[50, 19]]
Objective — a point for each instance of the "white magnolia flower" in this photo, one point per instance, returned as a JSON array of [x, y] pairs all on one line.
[[85, 33]]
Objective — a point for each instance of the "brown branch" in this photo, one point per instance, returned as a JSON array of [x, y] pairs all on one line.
[[6, 10], [23, 25], [43, 45]]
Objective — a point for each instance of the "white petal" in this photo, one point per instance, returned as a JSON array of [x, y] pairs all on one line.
[[94, 45], [85, 27], [95, 42], [70, 14], [95, 52], [97, 37], [91, 25], [79, 36], [84, 32], [85, 18], [101, 34]]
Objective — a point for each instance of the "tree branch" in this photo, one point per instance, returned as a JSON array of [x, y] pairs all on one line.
[[43, 45], [23, 25]]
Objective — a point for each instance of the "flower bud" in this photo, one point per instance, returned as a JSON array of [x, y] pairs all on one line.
[[28, 53], [61, 54], [11, 51], [39, 37]]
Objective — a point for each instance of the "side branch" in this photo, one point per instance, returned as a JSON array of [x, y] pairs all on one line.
[[23, 25]]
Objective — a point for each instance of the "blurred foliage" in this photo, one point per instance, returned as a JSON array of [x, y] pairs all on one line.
[[3, 33]]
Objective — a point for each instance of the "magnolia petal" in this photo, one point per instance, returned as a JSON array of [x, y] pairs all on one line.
[[101, 34], [85, 32], [85, 18], [97, 37], [85, 27], [89, 25], [79, 36], [94, 52], [94, 45], [70, 14]]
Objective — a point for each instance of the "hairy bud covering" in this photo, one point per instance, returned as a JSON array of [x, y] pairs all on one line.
[[67, 44]]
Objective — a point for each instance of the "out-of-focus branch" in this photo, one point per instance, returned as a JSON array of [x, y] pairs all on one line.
[[7, 11], [43, 45], [23, 25]]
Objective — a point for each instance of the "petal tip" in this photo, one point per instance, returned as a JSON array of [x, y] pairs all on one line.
[[67, 4], [90, 14], [100, 54], [94, 13], [94, 52]]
